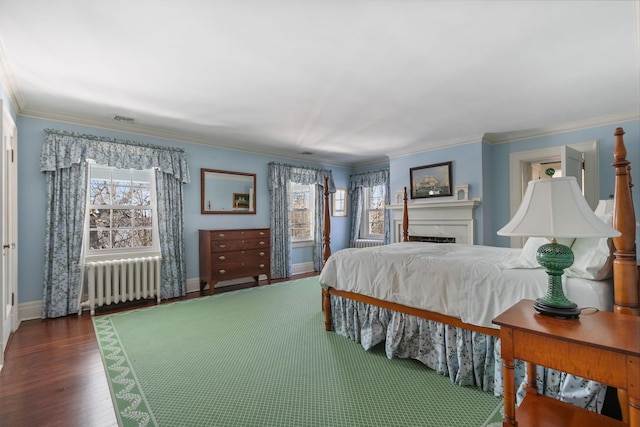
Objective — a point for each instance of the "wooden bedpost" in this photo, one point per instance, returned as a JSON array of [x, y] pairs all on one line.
[[625, 269], [326, 227], [405, 217]]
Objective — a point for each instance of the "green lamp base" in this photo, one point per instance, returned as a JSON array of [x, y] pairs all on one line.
[[558, 312], [555, 258]]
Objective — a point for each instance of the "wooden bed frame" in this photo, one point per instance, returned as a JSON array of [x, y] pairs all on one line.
[[625, 267]]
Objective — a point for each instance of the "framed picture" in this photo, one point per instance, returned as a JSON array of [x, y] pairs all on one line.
[[240, 201], [339, 207], [431, 180]]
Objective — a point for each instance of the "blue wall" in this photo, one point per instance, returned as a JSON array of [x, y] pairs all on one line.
[[483, 166], [32, 203]]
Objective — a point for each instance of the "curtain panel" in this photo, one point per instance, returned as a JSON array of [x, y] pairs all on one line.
[[63, 160], [357, 183], [280, 175]]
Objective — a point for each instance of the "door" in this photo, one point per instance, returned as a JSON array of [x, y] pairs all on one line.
[[8, 228], [571, 160]]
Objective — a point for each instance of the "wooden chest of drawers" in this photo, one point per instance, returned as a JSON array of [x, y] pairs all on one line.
[[234, 254]]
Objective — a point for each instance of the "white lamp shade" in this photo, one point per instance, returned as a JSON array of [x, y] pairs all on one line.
[[555, 207]]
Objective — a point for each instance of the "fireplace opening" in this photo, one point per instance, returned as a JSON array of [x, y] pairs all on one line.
[[432, 239]]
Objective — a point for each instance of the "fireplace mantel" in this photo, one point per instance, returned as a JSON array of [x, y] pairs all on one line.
[[448, 218]]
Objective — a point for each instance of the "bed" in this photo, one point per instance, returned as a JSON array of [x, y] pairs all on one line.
[[447, 326]]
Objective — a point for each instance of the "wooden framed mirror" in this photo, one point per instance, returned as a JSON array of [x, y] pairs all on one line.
[[227, 192]]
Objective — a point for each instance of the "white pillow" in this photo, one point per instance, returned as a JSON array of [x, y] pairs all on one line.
[[593, 258], [527, 257]]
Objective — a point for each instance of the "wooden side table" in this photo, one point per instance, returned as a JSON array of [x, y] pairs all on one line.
[[601, 346]]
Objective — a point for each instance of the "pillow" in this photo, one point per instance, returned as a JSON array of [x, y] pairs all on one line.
[[527, 257], [593, 258]]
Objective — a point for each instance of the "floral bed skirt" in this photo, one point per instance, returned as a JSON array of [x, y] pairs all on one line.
[[467, 358]]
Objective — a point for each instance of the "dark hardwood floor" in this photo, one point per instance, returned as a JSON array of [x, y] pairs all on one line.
[[53, 373]]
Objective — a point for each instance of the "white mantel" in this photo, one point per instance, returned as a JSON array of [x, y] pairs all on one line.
[[448, 218]]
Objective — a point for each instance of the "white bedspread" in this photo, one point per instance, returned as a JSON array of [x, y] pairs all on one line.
[[463, 281]]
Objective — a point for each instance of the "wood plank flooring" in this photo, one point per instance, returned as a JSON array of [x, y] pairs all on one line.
[[53, 373]]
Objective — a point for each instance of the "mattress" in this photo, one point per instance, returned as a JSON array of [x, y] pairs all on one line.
[[471, 282]]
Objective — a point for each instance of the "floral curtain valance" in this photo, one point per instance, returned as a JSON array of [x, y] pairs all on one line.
[[62, 149], [281, 174], [369, 179]]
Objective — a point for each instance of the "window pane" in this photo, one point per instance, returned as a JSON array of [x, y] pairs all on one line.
[[123, 238], [121, 184], [100, 192], [99, 239], [142, 238], [376, 222], [99, 218], [140, 194], [377, 197], [122, 218], [142, 217], [300, 212]]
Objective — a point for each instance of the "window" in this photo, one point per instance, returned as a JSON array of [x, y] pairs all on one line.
[[121, 212], [301, 212], [372, 223]]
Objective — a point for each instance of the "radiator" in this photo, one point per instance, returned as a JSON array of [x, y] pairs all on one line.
[[367, 243], [120, 280]]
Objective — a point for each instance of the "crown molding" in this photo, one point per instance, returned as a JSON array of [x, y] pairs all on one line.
[[505, 137]]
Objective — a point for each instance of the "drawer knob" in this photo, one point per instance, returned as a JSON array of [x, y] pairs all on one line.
[[261, 253], [262, 243], [261, 265], [223, 246], [222, 271], [261, 233], [221, 235], [222, 258]]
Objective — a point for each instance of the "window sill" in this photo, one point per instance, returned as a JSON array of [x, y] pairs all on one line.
[[302, 244]]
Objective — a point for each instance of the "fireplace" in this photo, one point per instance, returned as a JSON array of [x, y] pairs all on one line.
[[439, 220], [432, 239]]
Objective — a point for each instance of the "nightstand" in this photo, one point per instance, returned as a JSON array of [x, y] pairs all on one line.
[[601, 346]]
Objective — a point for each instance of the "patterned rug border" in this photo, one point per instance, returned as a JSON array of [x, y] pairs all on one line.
[[131, 397]]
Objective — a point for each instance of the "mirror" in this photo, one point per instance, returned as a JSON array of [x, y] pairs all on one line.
[[226, 192]]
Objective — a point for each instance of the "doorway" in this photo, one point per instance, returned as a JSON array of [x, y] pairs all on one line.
[[579, 160], [8, 228]]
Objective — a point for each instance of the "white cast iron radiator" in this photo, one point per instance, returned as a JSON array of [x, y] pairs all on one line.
[[119, 280], [366, 243]]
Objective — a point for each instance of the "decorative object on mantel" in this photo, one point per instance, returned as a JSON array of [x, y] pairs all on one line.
[[399, 197], [430, 180], [462, 192], [555, 208]]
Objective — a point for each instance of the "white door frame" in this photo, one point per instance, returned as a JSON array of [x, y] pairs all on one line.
[[519, 163], [8, 228]]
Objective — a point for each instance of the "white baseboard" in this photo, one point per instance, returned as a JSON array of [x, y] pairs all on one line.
[[29, 310], [33, 309]]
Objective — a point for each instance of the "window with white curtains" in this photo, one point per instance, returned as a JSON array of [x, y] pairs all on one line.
[[372, 221], [121, 213]]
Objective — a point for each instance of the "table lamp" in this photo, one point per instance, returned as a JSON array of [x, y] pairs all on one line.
[[555, 208]]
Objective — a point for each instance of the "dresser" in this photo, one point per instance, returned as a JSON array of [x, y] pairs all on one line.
[[234, 254]]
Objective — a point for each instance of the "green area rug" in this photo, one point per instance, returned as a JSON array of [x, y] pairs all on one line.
[[261, 357]]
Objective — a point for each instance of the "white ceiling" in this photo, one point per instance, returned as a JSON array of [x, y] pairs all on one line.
[[350, 81]]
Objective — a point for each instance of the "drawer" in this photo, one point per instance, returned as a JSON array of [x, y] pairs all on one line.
[[238, 245], [234, 270], [240, 234], [248, 255]]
